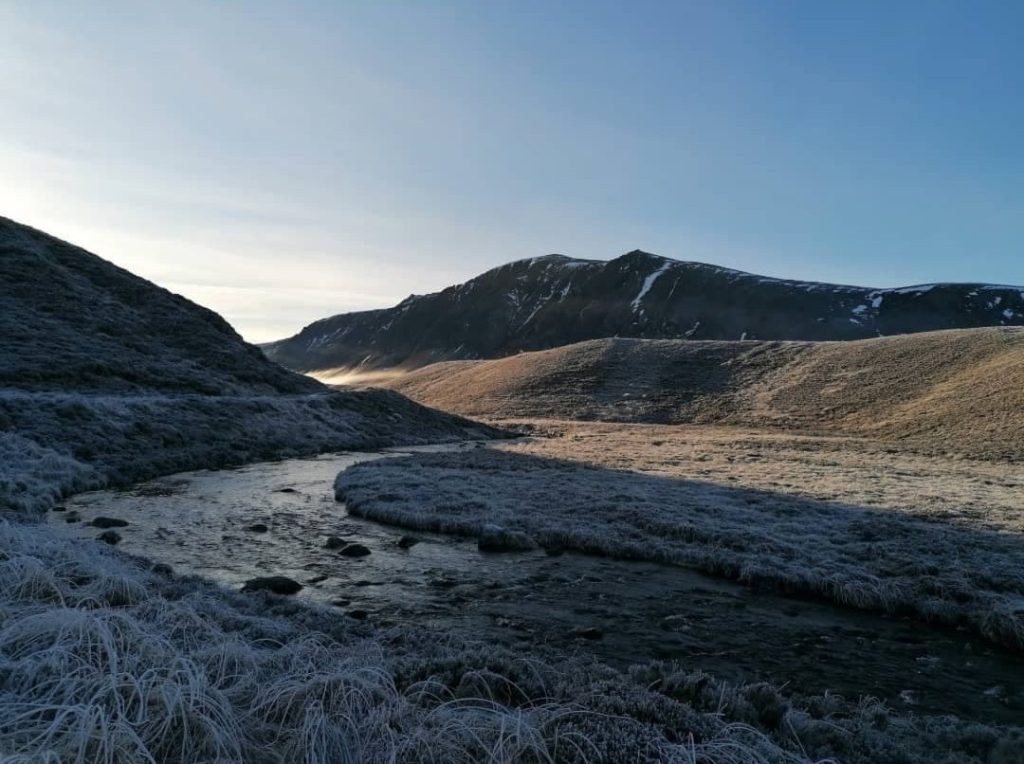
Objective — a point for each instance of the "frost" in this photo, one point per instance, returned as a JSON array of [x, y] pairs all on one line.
[[61, 443], [886, 561]]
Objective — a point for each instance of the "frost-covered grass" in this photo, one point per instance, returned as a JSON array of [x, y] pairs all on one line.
[[54, 444], [103, 659], [940, 569]]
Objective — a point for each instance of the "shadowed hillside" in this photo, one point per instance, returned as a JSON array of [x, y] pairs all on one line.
[[552, 301], [956, 391], [106, 378], [71, 320]]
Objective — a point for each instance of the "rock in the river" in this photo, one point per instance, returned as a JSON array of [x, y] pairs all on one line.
[[286, 490], [58, 508], [72, 517], [162, 569], [335, 542], [108, 522], [591, 632], [258, 528], [359, 615], [494, 538], [406, 542], [275, 584], [355, 550], [109, 537]]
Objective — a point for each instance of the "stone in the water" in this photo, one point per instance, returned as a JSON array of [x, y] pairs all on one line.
[[72, 517], [58, 508], [355, 550], [275, 584], [494, 538], [162, 569], [359, 615], [591, 632], [108, 522], [407, 542], [317, 580], [258, 528], [286, 490], [109, 537], [335, 542]]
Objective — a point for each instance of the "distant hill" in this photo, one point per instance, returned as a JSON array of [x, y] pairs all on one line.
[[106, 379], [552, 301], [956, 391]]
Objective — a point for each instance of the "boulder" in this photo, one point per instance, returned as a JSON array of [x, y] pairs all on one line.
[[275, 584], [335, 542], [108, 522], [354, 550], [109, 537], [258, 528], [407, 542]]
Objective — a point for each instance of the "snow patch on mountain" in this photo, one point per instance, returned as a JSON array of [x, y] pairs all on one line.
[[648, 283]]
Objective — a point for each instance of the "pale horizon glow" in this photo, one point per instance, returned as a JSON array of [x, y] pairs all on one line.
[[280, 163]]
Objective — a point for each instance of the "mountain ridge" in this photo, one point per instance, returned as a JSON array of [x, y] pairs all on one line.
[[554, 300]]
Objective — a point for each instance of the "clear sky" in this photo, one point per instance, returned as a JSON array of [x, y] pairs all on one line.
[[284, 161]]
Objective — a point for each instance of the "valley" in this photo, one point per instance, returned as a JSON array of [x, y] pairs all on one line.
[[620, 613], [662, 550]]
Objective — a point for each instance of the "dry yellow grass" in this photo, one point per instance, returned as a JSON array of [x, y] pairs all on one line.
[[953, 392]]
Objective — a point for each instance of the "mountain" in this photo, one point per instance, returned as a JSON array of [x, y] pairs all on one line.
[[107, 379], [958, 391], [552, 301]]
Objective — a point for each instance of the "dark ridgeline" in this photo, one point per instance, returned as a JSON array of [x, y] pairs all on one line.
[[555, 300]]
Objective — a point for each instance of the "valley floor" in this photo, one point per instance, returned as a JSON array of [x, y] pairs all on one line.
[[936, 538], [769, 510]]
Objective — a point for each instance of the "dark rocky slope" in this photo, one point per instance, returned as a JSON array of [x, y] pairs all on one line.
[[552, 301]]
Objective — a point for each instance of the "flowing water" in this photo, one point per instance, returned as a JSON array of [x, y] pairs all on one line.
[[620, 612]]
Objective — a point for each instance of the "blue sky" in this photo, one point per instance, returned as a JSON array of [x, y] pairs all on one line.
[[280, 162]]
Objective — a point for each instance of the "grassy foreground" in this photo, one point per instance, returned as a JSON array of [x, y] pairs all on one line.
[[108, 659]]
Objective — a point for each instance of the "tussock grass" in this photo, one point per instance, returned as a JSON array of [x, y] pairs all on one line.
[[935, 569], [104, 661], [59, 444]]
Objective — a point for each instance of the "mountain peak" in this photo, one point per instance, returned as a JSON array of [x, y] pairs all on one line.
[[555, 300]]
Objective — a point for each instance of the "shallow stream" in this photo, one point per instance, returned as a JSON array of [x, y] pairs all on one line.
[[621, 612]]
